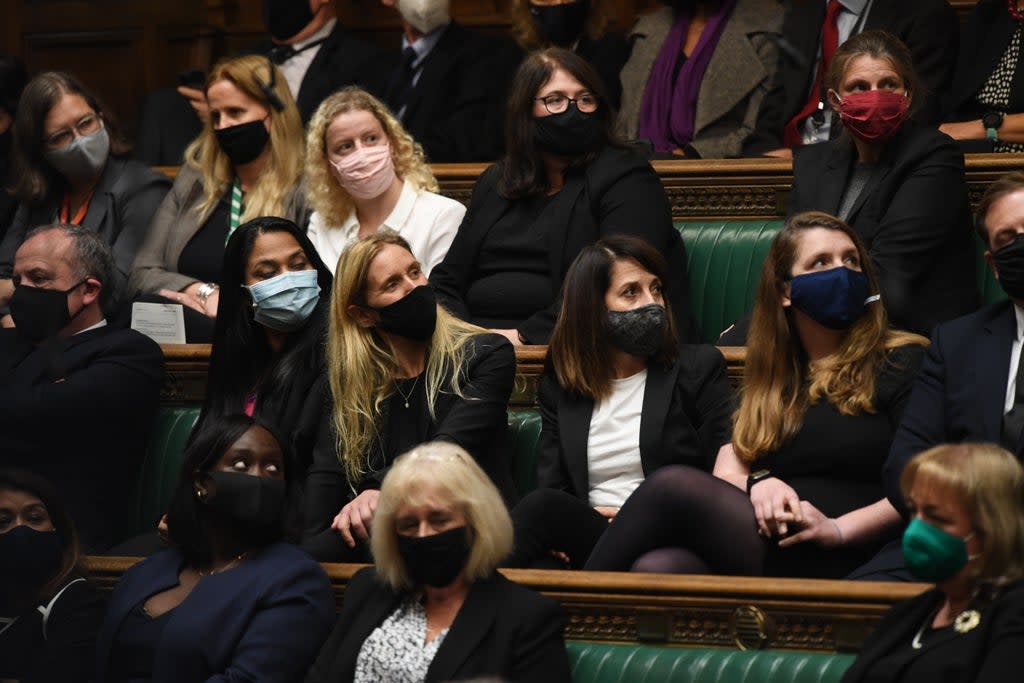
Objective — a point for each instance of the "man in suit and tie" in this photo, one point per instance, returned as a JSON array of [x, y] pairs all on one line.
[[78, 398], [448, 84], [971, 386]]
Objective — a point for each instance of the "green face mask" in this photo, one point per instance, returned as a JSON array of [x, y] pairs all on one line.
[[932, 554]]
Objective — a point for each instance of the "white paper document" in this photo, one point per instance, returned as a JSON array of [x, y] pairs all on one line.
[[164, 323]]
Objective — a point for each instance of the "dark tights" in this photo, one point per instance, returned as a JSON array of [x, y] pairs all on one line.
[[549, 519], [682, 520]]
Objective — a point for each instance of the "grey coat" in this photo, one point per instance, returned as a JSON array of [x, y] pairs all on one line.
[[176, 222], [737, 78]]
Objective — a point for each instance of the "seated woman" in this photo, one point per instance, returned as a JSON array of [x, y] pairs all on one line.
[[365, 173], [577, 25], [246, 163], [621, 399], [698, 72], [49, 614], [985, 104], [824, 386], [433, 608], [270, 336], [229, 600], [401, 371], [565, 182], [900, 185], [966, 537], [71, 164]]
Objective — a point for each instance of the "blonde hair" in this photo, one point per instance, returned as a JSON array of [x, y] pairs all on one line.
[[326, 195], [284, 166], [778, 383], [525, 32], [989, 482], [361, 366], [440, 468]]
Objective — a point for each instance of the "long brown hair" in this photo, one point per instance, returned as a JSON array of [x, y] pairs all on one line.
[[525, 32], [778, 381], [579, 350]]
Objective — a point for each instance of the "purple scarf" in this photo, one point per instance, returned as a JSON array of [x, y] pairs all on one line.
[[669, 109]]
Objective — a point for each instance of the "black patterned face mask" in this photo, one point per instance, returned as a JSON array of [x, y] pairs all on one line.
[[638, 331]]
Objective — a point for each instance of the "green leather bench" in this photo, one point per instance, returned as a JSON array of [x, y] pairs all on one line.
[[607, 663]]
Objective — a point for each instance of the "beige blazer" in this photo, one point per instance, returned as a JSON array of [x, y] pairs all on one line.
[[737, 78], [176, 222]]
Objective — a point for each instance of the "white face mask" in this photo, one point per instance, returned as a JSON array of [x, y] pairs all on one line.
[[425, 15]]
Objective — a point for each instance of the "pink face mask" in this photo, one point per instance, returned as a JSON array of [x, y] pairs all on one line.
[[366, 172], [874, 115]]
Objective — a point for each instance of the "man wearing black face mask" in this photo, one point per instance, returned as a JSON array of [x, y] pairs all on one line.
[[316, 55], [77, 398], [971, 386]]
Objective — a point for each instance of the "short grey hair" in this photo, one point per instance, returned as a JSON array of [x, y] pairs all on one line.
[[90, 256]]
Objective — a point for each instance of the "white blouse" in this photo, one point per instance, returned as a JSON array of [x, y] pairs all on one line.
[[396, 652], [426, 220], [614, 469]]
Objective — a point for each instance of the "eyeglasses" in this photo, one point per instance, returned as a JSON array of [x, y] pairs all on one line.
[[87, 125], [556, 103]]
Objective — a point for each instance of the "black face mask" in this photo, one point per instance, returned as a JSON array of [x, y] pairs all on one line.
[[1009, 262], [29, 558], [569, 134], [286, 18], [414, 316], [255, 503], [40, 314], [435, 560], [244, 142], [560, 25], [638, 331]]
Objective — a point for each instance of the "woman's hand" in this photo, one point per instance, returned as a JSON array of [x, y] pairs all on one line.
[[775, 505], [189, 297], [607, 512], [816, 527], [511, 335], [354, 519], [964, 130]]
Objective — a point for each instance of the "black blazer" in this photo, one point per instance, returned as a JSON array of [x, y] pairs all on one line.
[[913, 216], [478, 423], [617, 193], [502, 630], [989, 653], [80, 414], [930, 29], [457, 107], [960, 392], [686, 418], [984, 40], [126, 197]]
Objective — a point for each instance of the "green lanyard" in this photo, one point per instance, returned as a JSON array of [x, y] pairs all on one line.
[[236, 208]]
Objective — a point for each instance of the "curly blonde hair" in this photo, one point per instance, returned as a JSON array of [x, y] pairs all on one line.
[[326, 195], [284, 166], [525, 32]]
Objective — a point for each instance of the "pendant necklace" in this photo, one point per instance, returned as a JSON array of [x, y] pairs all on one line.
[[412, 390]]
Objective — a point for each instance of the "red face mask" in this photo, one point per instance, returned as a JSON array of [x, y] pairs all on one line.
[[875, 115]]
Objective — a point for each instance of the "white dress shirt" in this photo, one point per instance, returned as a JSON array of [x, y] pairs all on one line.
[[295, 68]]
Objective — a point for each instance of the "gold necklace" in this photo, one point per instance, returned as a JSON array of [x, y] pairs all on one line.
[[234, 562]]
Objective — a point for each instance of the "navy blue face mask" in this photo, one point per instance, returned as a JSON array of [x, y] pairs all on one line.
[[834, 298]]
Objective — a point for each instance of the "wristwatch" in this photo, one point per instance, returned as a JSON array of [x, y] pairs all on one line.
[[204, 292], [755, 477], [992, 121]]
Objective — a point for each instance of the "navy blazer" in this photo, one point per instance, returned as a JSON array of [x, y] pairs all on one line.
[[686, 417], [960, 393], [988, 653], [913, 216], [502, 630], [264, 620]]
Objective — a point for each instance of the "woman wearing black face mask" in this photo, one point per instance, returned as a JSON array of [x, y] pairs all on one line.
[[71, 165], [229, 599], [825, 383], [433, 608], [564, 183], [577, 25], [49, 614], [401, 371], [246, 163], [621, 399]]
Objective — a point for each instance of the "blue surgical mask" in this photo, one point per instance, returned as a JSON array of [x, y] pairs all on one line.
[[285, 302], [834, 298]]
